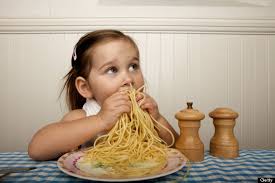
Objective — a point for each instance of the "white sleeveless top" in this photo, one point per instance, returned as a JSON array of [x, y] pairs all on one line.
[[91, 107]]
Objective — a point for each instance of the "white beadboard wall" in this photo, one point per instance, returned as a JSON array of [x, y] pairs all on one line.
[[235, 71], [207, 62]]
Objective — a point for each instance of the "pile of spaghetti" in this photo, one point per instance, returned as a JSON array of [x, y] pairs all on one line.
[[132, 148]]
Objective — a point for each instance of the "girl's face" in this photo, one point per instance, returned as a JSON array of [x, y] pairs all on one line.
[[115, 64]]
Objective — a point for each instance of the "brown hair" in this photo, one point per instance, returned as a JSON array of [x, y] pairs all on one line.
[[81, 62]]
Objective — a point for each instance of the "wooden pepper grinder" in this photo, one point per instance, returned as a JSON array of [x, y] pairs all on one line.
[[224, 144], [189, 142]]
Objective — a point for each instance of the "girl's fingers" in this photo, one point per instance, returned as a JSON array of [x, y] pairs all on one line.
[[142, 98], [118, 100], [123, 109], [124, 89], [122, 102], [148, 106], [119, 95], [139, 97], [120, 109]]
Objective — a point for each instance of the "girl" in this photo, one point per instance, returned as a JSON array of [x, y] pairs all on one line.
[[104, 64]]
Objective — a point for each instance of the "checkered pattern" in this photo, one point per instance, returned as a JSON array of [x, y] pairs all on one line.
[[247, 168]]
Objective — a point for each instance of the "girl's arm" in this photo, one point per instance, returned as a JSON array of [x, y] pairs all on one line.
[[163, 133], [75, 128], [55, 139], [146, 102]]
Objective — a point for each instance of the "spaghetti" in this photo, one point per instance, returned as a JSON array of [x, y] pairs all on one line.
[[132, 147]]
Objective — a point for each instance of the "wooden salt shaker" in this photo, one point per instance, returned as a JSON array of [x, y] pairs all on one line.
[[189, 142], [224, 144]]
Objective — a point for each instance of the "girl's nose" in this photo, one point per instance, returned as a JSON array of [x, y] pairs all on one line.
[[127, 80]]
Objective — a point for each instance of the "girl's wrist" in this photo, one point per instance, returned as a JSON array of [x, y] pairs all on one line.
[[159, 117], [100, 122], [103, 123]]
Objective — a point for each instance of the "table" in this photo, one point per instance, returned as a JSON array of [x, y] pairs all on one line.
[[250, 165]]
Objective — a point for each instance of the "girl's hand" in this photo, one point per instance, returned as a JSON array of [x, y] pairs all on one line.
[[113, 107], [146, 102]]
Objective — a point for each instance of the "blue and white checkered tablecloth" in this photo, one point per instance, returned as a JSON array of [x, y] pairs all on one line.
[[250, 165]]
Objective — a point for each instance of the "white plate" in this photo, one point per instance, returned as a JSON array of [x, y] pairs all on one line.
[[68, 164]]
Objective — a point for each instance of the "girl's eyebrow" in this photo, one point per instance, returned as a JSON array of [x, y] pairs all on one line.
[[107, 63], [111, 62], [135, 58]]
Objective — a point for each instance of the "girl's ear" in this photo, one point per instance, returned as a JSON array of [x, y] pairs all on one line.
[[83, 87]]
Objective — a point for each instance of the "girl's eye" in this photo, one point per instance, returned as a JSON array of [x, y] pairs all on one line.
[[111, 70], [133, 67]]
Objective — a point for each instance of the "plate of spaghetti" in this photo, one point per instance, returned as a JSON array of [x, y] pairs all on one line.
[[132, 150]]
